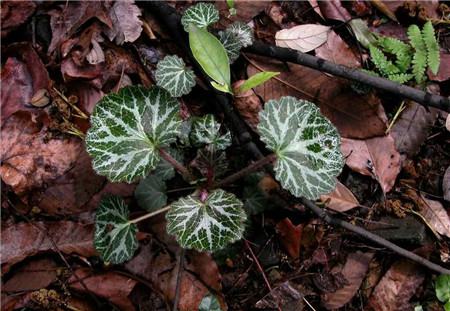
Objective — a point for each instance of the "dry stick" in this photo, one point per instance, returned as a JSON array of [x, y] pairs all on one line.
[[293, 56], [145, 216], [179, 275], [172, 21], [261, 270]]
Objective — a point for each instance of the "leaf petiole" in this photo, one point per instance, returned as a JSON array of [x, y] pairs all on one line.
[[149, 215], [177, 165]]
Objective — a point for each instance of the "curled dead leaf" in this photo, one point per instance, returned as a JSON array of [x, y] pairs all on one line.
[[127, 26], [290, 236], [341, 199], [40, 98], [435, 214]]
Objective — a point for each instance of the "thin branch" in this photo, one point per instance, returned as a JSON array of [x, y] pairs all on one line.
[[246, 171], [179, 276], [171, 19], [293, 56]]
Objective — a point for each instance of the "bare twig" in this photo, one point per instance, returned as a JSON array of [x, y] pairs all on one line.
[[179, 276]]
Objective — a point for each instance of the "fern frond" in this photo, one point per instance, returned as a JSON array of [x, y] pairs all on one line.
[[432, 47], [420, 54], [401, 50], [401, 77], [380, 60]]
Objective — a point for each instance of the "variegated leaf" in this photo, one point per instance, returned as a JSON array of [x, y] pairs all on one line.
[[209, 303], [243, 32], [231, 44], [115, 237], [151, 193], [201, 15], [127, 130], [172, 75], [205, 130], [306, 145], [206, 223], [208, 161]]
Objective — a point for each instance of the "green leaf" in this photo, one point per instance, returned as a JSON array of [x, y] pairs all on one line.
[[209, 303], [443, 288], [447, 306], [208, 160], [362, 32], [380, 60], [402, 51], [151, 193], [432, 45], [222, 87], [115, 237], [420, 55], [201, 15], [256, 80], [208, 223], [172, 75], [128, 128], [243, 32], [210, 54], [400, 77], [164, 170], [206, 130], [231, 44], [306, 144]]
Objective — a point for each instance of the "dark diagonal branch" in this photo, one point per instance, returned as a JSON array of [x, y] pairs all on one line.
[[171, 20]]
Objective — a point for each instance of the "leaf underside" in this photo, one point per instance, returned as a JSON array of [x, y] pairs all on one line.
[[114, 238], [172, 75], [128, 128], [307, 146], [205, 130], [201, 15], [151, 193], [208, 225]]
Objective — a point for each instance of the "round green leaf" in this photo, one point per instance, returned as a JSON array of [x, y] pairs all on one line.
[[231, 44], [172, 75], [307, 146], [151, 193], [208, 224], [201, 15], [128, 128], [210, 54], [115, 237], [205, 130], [443, 288]]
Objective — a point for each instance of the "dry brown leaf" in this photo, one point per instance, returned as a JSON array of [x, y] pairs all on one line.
[[384, 9], [412, 128], [429, 7], [397, 287], [355, 116], [446, 183], [127, 26], [290, 237], [248, 104], [303, 38], [285, 296], [337, 51], [341, 199], [354, 271], [111, 286], [435, 214], [315, 5], [21, 240], [245, 11], [35, 275], [14, 14], [333, 9], [444, 69], [375, 157]]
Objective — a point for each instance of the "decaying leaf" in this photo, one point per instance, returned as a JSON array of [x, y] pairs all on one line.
[[25, 239], [290, 236], [354, 116], [110, 285], [14, 14], [354, 271], [333, 9], [341, 199], [446, 184], [435, 214], [397, 287], [412, 128], [127, 26], [337, 51], [375, 157], [303, 38], [285, 296]]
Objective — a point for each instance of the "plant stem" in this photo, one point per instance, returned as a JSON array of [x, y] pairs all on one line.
[[177, 165], [246, 171], [149, 215]]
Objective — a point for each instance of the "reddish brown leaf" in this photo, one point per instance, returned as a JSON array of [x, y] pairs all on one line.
[[337, 51], [375, 157], [34, 275], [412, 128], [14, 14], [127, 26], [446, 184], [245, 10], [435, 214], [444, 69], [284, 296], [111, 286], [30, 161], [354, 271], [341, 199], [290, 237], [248, 104], [25, 239], [333, 9], [397, 287], [355, 116]]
